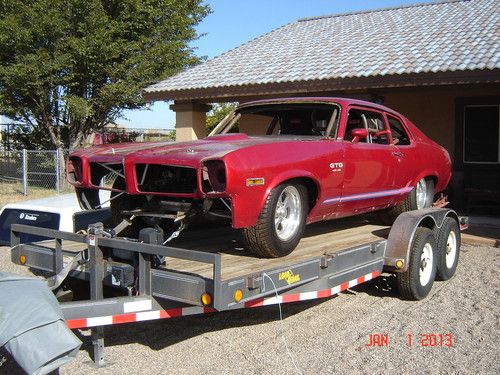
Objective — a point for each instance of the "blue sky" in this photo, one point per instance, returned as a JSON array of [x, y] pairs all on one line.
[[234, 22]]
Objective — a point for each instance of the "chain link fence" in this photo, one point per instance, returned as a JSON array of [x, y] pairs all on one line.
[[30, 169]]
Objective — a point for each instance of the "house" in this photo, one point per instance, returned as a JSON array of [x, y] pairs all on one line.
[[438, 63]]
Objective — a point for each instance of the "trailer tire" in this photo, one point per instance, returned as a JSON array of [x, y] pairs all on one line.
[[416, 282], [422, 196], [265, 238], [448, 246]]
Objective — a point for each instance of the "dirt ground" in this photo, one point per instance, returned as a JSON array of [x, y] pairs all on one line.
[[324, 336]]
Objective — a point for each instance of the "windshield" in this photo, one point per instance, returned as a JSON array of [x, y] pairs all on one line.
[[302, 119]]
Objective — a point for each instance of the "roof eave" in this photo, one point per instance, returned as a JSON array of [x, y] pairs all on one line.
[[215, 94]]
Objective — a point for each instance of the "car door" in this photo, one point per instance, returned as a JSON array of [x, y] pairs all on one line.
[[370, 165], [404, 150]]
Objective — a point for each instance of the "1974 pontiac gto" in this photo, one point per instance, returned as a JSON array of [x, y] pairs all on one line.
[[271, 167]]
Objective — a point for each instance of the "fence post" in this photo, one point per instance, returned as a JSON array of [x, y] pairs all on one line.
[[58, 171], [25, 171]]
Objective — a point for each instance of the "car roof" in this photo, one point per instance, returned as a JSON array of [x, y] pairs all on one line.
[[341, 101]]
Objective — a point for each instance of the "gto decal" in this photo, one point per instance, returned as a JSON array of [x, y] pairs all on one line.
[[289, 277], [336, 167]]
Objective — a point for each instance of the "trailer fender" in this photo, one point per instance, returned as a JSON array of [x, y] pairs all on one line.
[[403, 231]]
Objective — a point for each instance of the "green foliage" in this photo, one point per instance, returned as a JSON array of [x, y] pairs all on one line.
[[218, 112], [71, 66]]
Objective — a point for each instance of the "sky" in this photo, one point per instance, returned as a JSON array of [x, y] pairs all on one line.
[[234, 22]]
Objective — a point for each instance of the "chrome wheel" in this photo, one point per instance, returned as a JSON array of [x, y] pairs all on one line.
[[422, 194], [287, 214], [451, 249], [426, 264]]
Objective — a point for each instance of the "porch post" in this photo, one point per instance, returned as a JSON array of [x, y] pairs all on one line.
[[190, 120]]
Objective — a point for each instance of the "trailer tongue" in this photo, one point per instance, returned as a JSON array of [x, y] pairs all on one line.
[[205, 272]]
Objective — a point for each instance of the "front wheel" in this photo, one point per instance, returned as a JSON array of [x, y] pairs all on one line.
[[281, 223], [416, 282]]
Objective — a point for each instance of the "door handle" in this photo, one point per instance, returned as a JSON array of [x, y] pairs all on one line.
[[398, 154]]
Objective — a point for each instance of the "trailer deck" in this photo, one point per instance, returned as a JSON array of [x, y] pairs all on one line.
[[321, 238]]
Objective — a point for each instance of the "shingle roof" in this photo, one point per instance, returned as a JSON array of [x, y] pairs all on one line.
[[449, 36]]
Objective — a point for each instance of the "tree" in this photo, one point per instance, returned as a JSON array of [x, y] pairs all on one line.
[[217, 113], [68, 67]]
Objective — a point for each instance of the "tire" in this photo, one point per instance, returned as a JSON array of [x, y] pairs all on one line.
[[88, 198], [422, 196], [448, 246], [416, 282], [124, 202], [281, 223]]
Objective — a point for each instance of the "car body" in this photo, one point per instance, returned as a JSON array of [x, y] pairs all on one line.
[[350, 156]]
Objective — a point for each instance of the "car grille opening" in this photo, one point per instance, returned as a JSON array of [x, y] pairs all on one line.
[[166, 179], [105, 174], [74, 170]]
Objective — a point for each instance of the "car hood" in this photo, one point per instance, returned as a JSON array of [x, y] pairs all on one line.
[[210, 147]]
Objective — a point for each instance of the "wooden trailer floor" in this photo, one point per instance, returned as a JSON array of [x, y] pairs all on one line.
[[320, 238]]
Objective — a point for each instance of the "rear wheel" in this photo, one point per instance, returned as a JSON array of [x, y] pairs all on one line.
[[448, 245], [422, 196], [416, 282], [281, 223]]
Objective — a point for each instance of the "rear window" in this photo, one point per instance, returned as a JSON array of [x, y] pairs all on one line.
[[27, 217]]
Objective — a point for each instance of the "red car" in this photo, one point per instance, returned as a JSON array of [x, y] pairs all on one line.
[[271, 167]]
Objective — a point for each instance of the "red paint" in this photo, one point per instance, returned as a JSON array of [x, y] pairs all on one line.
[[124, 318], [76, 323], [324, 293], [290, 298], [351, 178], [170, 313]]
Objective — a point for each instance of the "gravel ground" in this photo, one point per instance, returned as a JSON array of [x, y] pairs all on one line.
[[326, 336]]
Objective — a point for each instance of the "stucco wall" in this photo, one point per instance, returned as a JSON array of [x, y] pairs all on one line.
[[432, 109]]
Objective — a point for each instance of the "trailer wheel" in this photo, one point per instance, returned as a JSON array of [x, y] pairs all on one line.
[[281, 223], [422, 196], [416, 282], [448, 245]]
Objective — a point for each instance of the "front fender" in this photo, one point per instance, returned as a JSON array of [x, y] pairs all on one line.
[[249, 202]]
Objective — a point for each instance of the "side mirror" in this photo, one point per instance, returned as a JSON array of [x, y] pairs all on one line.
[[359, 133]]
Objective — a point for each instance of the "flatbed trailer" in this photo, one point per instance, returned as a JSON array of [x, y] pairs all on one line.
[[207, 270]]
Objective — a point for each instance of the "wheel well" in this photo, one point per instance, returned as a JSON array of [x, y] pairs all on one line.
[[427, 222], [433, 178], [312, 189]]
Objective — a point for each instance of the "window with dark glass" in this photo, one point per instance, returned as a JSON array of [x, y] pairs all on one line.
[[482, 134], [399, 134]]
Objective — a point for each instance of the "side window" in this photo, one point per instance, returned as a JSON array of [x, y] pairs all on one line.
[[399, 134], [373, 122], [354, 121]]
